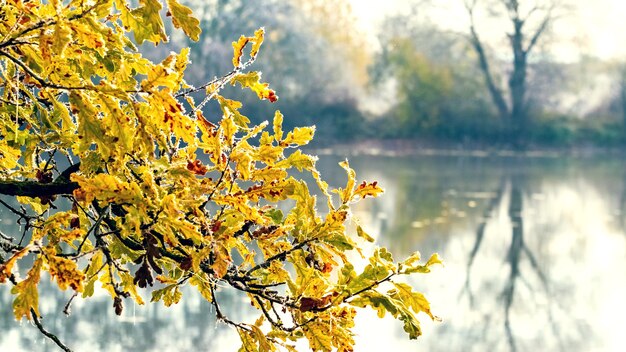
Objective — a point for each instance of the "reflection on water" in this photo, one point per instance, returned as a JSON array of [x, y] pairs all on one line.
[[535, 253]]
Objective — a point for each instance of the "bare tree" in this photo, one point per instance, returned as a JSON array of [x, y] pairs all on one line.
[[529, 23]]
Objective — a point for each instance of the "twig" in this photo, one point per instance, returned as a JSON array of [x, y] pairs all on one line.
[[279, 256], [93, 228], [47, 333], [15, 211], [67, 308]]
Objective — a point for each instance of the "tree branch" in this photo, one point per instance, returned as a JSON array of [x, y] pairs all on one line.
[[496, 94], [36, 189], [61, 185], [280, 256], [48, 334], [540, 30]]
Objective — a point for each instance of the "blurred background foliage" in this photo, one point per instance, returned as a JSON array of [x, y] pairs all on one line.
[[407, 76]]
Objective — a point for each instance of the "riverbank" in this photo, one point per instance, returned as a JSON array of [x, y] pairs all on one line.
[[403, 147]]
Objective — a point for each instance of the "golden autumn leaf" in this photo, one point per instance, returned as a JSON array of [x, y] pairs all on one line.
[[6, 269], [182, 18], [66, 272], [151, 192], [252, 80], [27, 295], [299, 136]]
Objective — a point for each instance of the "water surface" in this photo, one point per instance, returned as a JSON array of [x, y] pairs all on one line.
[[534, 251]]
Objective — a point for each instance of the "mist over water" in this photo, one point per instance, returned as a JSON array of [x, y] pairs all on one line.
[[534, 252]]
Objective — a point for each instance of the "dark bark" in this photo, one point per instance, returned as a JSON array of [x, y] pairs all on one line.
[[36, 189], [494, 91], [622, 96], [517, 80], [62, 185], [521, 46]]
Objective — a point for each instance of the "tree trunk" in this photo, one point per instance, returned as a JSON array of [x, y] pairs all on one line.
[[517, 80], [494, 91], [622, 91]]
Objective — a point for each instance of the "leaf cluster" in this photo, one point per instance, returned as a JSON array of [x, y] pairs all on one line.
[[162, 196]]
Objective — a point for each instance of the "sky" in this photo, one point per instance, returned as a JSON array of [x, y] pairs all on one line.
[[596, 28]]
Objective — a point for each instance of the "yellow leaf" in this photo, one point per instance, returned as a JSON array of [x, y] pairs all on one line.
[[240, 44], [66, 272], [118, 123], [229, 128], [61, 36], [259, 35], [434, 259], [347, 193], [160, 76], [241, 156], [278, 126], [299, 136], [411, 299], [367, 189], [268, 154], [9, 156], [231, 108], [252, 80], [27, 296], [169, 294], [182, 60], [90, 127], [108, 188], [238, 49], [412, 259], [91, 272], [222, 260], [298, 160], [145, 21], [268, 174], [7, 267], [319, 335], [182, 18], [264, 343], [203, 286]]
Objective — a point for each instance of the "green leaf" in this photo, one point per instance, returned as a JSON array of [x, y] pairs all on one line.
[[145, 21], [276, 215], [361, 233], [169, 294]]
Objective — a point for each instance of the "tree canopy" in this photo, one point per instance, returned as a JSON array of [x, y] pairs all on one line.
[[120, 181]]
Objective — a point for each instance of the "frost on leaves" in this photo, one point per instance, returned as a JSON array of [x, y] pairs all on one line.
[[161, 196]]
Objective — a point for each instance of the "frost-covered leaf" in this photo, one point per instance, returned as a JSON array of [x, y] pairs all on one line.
[[182, 18]]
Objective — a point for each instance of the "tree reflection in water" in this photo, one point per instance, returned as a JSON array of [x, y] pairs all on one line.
[[93, 326], [534, 251], [524, 243]]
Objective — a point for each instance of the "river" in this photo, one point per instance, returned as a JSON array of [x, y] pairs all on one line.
[[534, 252]]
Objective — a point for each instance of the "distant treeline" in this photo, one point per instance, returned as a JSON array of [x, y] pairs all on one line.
[[427, 82]]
